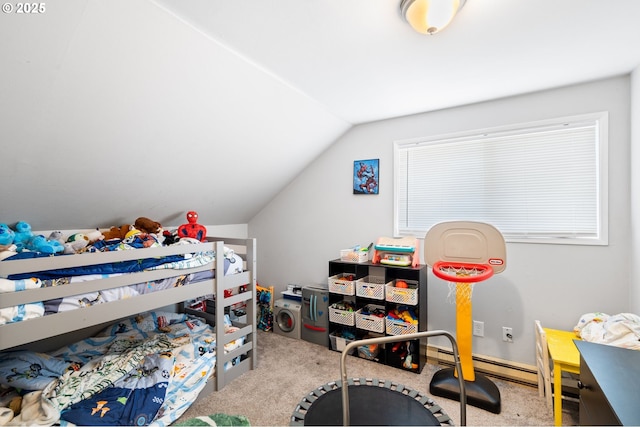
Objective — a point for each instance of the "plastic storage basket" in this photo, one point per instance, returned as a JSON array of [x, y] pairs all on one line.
[[349, 255], [342, 283], [398, 327], [407, 295], [338, 343], [371, 287], [343, 317], [370, 322]]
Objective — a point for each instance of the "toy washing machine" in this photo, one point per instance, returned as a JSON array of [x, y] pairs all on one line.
[[286, 318]]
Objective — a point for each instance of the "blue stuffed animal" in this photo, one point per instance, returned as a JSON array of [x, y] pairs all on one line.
[[40, 244], [22, 236], [6, 235]]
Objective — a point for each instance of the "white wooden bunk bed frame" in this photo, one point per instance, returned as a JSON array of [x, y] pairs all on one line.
[[21, 334]]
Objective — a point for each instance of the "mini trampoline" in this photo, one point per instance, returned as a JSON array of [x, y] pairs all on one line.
[[365, 401]]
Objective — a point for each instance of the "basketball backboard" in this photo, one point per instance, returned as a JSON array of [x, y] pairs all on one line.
[[466, 242]]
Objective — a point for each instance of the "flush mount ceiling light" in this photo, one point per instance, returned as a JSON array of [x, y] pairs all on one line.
[[430, 16]]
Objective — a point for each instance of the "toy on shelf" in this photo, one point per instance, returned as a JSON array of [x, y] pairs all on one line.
[[404, 314], [402, 251], [264, 305], [193, 229]]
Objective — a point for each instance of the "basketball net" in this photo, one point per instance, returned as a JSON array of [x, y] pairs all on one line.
[[459, 292], [462, 278]]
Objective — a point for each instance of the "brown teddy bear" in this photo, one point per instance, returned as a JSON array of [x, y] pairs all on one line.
[[148, 226], [116, 232]]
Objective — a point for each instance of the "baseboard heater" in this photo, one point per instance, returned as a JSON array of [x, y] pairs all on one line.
[[503, 369]]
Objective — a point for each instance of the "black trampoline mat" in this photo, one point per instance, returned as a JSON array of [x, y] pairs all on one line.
[[369, 405]]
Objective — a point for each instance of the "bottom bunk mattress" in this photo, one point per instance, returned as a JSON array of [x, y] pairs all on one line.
[[144, 370]]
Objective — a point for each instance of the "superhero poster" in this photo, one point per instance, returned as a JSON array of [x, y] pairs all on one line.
[[366, 174]]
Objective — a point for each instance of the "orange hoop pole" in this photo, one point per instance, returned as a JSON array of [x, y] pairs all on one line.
[[463, 330], [464, 308]]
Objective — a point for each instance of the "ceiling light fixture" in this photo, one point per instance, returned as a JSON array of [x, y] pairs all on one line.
[[430, 16]]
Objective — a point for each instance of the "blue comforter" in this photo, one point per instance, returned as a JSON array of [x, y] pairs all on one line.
[[116, 267]]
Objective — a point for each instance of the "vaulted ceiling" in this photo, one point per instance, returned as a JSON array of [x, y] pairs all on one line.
[[115, 109]]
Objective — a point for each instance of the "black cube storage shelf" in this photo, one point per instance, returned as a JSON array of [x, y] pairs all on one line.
[[376, 278]]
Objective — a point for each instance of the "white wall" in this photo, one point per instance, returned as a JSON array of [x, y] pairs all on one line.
[[317, 214], [634, 259]]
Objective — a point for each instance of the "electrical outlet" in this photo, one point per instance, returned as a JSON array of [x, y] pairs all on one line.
[[478, 328], [507, 334]]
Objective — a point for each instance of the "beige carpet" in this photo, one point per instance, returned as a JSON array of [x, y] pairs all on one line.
[[289, 369]]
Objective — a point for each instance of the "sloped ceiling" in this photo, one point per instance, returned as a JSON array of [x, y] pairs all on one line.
[[115, 109]]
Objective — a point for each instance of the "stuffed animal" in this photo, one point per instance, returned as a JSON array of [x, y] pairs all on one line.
[[57, 236], [148, 226], [78, 237], [132, 232], [39, 243], [76, 243], [116, 232], [193, 229], [94, 235], [6, 235], [22, 236]]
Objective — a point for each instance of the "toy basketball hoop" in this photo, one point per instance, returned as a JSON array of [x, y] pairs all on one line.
[[464, 253], [461, 272]]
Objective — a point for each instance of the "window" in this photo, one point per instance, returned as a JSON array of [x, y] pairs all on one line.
[[543, 182]]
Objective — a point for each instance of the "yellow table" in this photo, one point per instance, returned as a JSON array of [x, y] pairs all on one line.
[[566, 357]]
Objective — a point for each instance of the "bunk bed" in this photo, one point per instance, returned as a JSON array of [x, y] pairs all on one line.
[[169, 305]]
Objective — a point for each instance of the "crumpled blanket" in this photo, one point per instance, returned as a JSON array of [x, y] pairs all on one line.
[[133, 400], [122, 357], [620, 330], [34, 410]]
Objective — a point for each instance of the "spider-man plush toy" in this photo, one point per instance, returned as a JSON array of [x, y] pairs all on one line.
[[193, 229]]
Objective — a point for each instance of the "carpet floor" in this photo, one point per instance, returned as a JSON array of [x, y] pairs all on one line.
[[289, 369]]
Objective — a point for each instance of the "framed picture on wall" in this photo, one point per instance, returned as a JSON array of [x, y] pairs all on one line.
[[366, 176]]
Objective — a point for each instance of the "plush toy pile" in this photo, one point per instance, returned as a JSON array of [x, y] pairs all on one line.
[[144, 232], [20, 238]]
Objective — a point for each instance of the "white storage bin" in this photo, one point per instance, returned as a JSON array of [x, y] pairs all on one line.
[[342, 283], [370, 322], [371, 287], [343, 317], [407, 295], [349, 255]]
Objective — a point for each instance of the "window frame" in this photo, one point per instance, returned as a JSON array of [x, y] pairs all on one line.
[[600, 120]]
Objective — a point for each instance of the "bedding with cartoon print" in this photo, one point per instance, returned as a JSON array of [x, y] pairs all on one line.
[[140, 371]]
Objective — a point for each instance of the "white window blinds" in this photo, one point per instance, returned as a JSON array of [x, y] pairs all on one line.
[[542, 182]]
